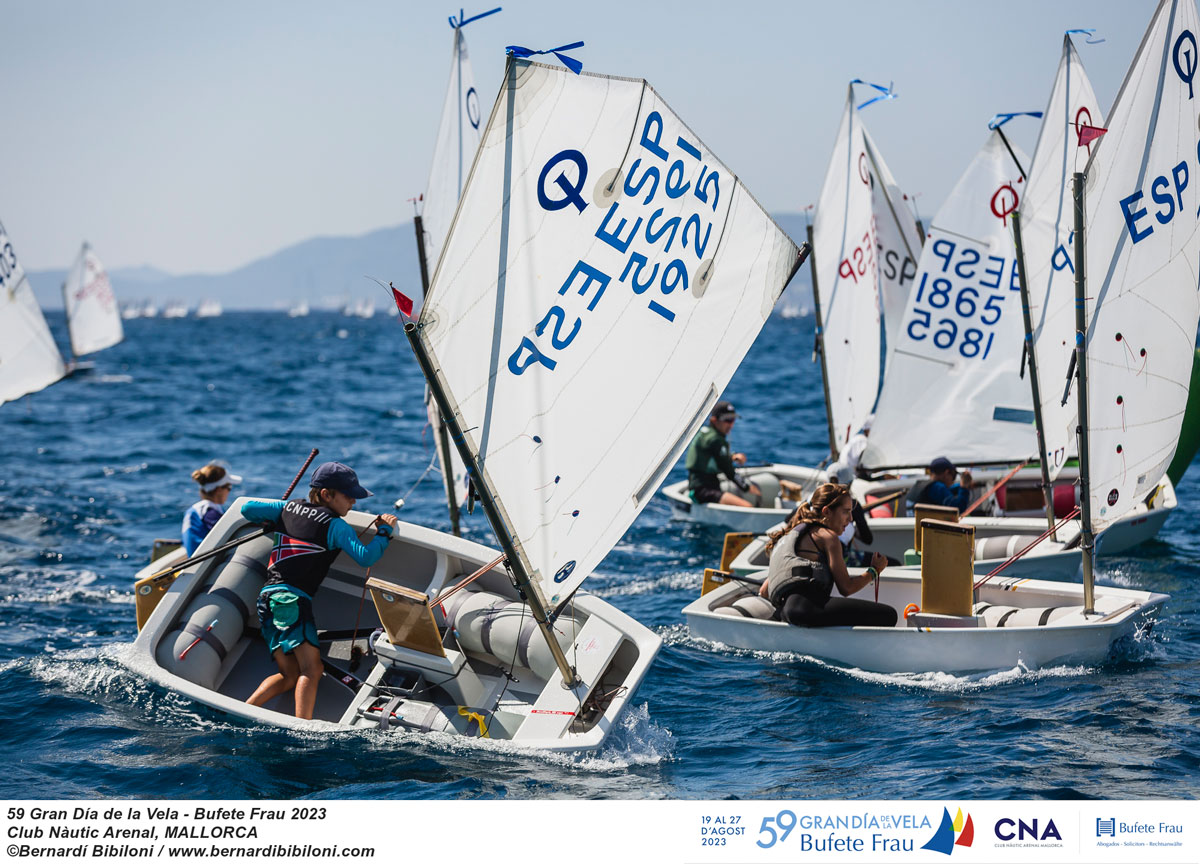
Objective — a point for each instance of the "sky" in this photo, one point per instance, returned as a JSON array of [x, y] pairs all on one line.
[[200, 136]]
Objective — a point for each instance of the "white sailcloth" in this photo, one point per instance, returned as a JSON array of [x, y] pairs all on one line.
[[1142, 247], [29, 358], [603, 278], [93, 317], [899, 245], [458, 139], [845, 246], [1047, 237], [957, 358]]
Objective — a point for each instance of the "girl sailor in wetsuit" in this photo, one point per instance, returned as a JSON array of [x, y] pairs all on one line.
[[311, 534], [806, 562]]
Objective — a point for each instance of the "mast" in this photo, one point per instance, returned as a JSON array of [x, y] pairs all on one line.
[[67, 311], [443, 439], [515, 562], [1085, 484], [819, 346], [1034, 383]]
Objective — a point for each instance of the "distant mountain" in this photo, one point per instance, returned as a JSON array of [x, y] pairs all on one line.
[[325, 271]]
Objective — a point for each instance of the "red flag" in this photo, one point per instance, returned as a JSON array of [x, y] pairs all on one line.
[[1088, 134], [404, 304]]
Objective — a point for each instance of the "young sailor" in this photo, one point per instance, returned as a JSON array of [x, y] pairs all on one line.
[[311, 534], [215, 481], [708, 457], [942, 490], [806, 562]]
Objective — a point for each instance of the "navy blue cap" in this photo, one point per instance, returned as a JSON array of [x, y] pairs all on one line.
[[338, 477], [940, 464]]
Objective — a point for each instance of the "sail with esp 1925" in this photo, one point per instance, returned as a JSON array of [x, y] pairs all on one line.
[[604, 276]]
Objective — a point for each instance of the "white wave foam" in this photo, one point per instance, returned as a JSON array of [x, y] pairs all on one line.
[[686, 581], [934, 681], [110, 471]]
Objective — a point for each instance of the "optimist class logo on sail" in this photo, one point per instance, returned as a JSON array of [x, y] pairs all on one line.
[[656, 235], [1166, 189]]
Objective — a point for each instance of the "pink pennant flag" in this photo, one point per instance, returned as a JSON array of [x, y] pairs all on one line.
[[404, 304], [1088, 134]]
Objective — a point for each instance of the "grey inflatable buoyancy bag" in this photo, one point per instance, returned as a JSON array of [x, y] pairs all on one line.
[[228, 605]]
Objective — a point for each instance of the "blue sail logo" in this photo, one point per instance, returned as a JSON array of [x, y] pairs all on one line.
[[951, 833]]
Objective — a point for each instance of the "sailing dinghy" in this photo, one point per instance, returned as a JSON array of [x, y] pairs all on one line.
[[29, 357], [524, 339], [1136, 315], [93, 317]]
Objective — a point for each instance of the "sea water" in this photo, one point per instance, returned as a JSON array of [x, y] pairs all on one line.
[[95, 467]]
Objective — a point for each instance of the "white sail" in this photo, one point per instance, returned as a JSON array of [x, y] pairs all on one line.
[[845, 249], [1142, 247], [603, 278], [29, 358], [958, 353], [1047, 234], [458, 138], [899, 245], [457, 141], [93, 317]]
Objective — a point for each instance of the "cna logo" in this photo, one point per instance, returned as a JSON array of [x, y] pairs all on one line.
[[1008, 829], [951, 833]]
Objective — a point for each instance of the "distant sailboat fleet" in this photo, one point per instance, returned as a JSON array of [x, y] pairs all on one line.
[[29, 358]]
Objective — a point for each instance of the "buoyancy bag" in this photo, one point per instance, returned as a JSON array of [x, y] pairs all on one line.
[[227, 604]]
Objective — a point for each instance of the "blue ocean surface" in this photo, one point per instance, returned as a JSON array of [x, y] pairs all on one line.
[[95, 467]]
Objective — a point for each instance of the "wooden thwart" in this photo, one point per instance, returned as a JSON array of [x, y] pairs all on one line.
[[406, 617], [947, 573]]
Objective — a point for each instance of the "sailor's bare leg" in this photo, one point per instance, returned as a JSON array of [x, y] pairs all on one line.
[[281, 682], [309, 658]]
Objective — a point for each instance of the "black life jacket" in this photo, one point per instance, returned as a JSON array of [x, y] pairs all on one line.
[[301, 556], [790, 573]]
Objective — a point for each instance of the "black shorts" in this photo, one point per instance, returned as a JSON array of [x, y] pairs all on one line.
[[707, 495]]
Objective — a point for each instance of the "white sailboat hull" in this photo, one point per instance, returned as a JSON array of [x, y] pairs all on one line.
[[610, 651], [1069, 639], [894, 535]]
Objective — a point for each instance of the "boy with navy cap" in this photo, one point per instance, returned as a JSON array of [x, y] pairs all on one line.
[[310, 535], [942, 490]]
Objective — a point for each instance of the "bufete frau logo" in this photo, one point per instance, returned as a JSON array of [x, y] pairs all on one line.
[[951, 833]]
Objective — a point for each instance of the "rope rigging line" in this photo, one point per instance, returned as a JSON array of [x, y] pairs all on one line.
[[1043, 536]]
